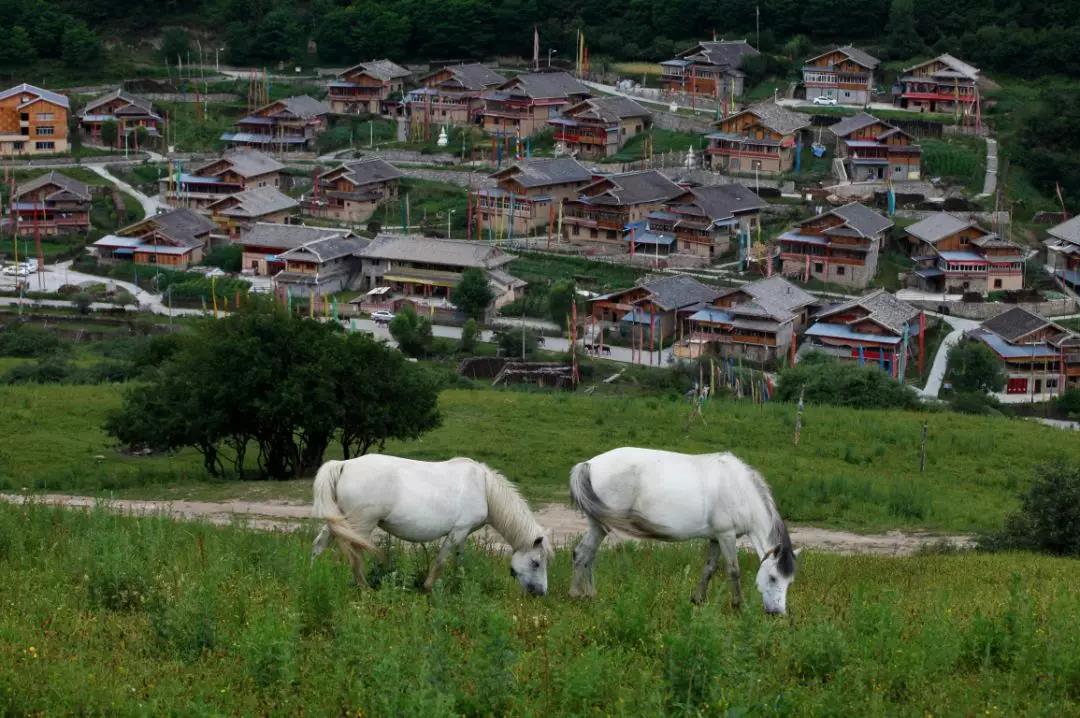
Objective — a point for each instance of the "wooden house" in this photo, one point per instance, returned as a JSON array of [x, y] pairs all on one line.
[[262, 244], [1041, 359], [840, 246], [876, 329], [1063, 251], [604, 210], [708, 68], [757, 322], [762, 138], [33, 121], [173, 240], [236, 212], [599, 126], [845, 74], [49, 205], [527, 195], [364, 88], [702, 221], [954, 256], [943, 84], [351, 191], [320, 267], [875, 150], [127, 111], [428, 269], [522, 106], [651, 312], [288, 125], [235, 171], [452, 95]]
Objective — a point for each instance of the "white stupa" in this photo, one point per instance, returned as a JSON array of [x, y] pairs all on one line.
[[691, 159], [443, 140]]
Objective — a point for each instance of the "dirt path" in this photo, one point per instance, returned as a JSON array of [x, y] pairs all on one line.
[[566, 523]]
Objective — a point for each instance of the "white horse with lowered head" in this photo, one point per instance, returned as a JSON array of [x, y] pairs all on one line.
[[423, 501], [674, 497]]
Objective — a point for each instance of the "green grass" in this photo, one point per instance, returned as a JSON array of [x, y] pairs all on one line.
[[593, 276], [887, 115], [429, 205], [115, 615], [663, 141], [960, 159], [191, 134], [852, 469]]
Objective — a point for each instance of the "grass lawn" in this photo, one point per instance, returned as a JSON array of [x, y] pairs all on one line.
[[852, 469], [168, 618], [598, 277], [959, 159], [191, 134], [429, 206], [663, 141]]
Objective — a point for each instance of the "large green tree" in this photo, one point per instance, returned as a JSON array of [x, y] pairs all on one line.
[[473, 294], [973, 367]]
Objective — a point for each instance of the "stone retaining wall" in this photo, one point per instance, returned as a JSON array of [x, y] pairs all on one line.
[[981, 311]]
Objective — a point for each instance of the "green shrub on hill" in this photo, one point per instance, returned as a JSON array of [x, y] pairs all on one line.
[[828, 381]]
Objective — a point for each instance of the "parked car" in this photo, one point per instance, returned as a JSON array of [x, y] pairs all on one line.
[[824, 100], [16, 270], [382, 316]]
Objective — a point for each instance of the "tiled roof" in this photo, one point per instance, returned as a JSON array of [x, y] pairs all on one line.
[[633, 188], [66, 183], [722, 53], [182, 226], [937, 227], [287, 236], [544, 172], [120, 93], [775, 297], [367, 171], [28, 89], [473, 76], [862, 219], [246, 163], [969, 71], [257, 202], [327, 248], [384, 70], [679, 290], [607, 109], [1068, 231], [304, 106], [860, 56], [721, 201], [449, 252], [776, 118], [546, 85], [846, 126], [881, 307], [1015, 323]]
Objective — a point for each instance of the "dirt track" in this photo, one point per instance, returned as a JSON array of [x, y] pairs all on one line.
[[565, 523]]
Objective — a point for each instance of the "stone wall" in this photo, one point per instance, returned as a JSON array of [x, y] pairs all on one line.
[[981, 311]]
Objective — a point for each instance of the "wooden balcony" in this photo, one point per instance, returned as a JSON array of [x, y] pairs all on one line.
[[580, 138]]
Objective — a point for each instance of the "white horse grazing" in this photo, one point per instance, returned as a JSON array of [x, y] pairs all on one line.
[[423, 501], [673, 497]]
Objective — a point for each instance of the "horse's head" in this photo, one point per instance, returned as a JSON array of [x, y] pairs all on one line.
[[773, 578], [529, 565]]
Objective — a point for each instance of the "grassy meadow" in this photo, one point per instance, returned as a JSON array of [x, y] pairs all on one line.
[[853, 469], [113, 615]]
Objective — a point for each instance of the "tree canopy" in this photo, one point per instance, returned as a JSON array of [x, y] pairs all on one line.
[[828, 381], [281, 386], [473, 294], [973, 367]]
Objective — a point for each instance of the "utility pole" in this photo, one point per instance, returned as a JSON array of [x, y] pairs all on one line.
[[757, 23]]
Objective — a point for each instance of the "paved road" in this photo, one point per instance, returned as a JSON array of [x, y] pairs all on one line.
[[150, 205], [990, 180], [937, 370]]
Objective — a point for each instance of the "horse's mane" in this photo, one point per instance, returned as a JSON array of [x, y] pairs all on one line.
[[508, 513], [778, 534]]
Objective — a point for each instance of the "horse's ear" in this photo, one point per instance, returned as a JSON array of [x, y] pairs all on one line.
[[773, 552], [539, 541]]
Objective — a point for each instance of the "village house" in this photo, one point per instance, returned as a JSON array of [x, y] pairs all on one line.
[[956, 256], [874, 150], [427, 270], [235, 213], [840, 246], [937, 85], [49, 205], [1041, 358], [651, 313], [757, 322], [522, 106], [1063, 251], [701, 222], [761, 138], [262, 244], [353, 190], [320, 267], [599, 126], [844, 73], [33, 121], [363, 88], [128, 112], [527, 195], [452, 95], [235, 171], [606, 209], [875, 329], [172, 240], [286, 125], [708, 68]]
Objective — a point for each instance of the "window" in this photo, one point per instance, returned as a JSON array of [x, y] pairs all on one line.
[[44, 145], [819, 267], [840, 271], [997, 284], [44, 117], [47, 130]]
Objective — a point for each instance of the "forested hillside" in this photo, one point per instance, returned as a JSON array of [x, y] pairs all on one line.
[[1022, 37]]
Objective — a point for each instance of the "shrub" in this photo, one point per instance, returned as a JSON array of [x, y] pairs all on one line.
[[828, 381], [411, 332], [48, 370], [1069, 404], [26, 340], [1049, 516], [974, 402], [473, 294], [228, 258], [511, 342], [973, 367], [468, 336]]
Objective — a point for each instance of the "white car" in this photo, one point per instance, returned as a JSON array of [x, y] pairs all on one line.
[[824, 100], [16, 270], [381, 315]]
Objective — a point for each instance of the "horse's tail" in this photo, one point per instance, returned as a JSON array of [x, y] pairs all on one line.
[[326, 507], [584, 497]]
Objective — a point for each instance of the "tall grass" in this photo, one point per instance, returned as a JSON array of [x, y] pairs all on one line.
[[201, 620]]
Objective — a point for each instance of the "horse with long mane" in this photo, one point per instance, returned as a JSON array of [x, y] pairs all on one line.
[[423, 501], [674, 497]]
